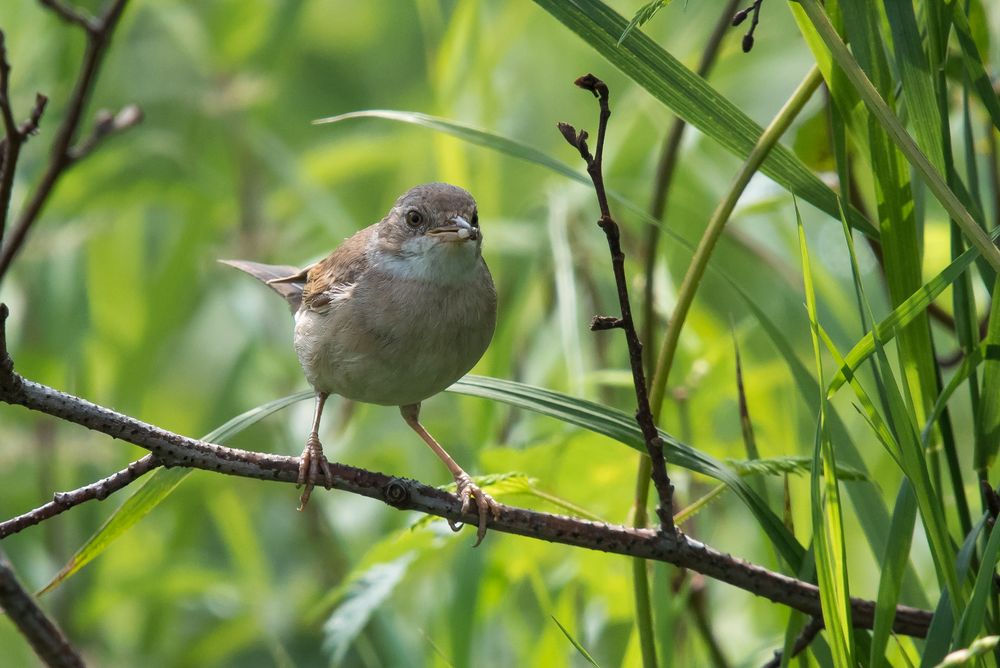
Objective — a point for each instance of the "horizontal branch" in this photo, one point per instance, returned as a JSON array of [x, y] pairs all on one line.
[[675, 548]]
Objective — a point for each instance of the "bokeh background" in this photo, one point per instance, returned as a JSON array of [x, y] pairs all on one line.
[[118, 298]]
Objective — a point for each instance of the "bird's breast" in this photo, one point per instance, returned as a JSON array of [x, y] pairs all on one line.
[[396, 340]]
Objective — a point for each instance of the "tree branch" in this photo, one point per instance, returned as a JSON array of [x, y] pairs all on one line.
[[44, 636], [675, 548], [14, 136], [643, 415], [64, 155], [61, 502]]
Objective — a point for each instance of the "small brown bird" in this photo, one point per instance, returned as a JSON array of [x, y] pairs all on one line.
[[396, 314]]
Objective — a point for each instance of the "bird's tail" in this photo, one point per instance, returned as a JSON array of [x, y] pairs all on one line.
[[286, 280]]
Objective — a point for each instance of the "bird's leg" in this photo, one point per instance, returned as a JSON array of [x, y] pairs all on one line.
[[313, 466], [466, 488]]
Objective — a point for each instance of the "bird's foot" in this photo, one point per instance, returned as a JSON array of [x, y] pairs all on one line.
[[313, 469], [467, 490]]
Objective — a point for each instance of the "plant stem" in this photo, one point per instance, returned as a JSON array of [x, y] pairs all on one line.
[[713, 231]]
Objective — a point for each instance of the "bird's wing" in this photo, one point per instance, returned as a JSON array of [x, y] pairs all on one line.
[[286, 280], [334, 276]]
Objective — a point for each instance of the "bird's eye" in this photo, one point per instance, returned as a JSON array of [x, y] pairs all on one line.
[[413, 218], [475, 219]]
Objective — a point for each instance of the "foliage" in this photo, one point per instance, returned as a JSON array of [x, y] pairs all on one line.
[[118, 298]]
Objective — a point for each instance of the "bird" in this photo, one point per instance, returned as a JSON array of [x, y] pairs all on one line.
[[394, 315]]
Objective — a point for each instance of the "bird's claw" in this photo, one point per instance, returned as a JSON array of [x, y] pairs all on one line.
[[313, 468], [467, 490]]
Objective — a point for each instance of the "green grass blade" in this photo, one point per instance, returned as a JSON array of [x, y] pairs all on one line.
[[468, 133], [622, 427], [158, 486], [867, 500], [506, 146], [915, 467], [975, 612], [691, 97], [918, 84], [904, 314], [973, 63], [579, 648], [989, 416], [897, 555], [827, 520], [897, 132], [966, 368]]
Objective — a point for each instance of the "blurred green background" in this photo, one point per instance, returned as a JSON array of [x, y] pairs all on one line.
[[118, 298]]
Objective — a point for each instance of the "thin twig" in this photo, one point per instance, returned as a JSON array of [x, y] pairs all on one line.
[[71, 15], [42, 634], [99, 32], [105, 125], [676, 548], [741, 16], [643, 415], [806, 636], [63, 501], [13, 136]]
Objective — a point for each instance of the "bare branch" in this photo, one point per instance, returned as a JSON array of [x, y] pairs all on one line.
[[643, 415], [71, 15], [9, 124], [99, 32], [61, 502], [44, 636], [105, 125], [175, 450], [806, 636], [14, 136]]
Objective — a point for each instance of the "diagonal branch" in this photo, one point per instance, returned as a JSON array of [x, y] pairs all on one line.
[[64, 155], [61, 502], [675, 548], [643, 415], [44, 636]]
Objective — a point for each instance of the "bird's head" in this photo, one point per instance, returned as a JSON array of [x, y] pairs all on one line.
[[432, 229]]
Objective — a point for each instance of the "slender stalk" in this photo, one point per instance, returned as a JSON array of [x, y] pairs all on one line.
[[713, 231]]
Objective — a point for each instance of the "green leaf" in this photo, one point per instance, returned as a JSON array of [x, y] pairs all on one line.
[[829, 545], [360, 599], [622, 427], [468, 133], [897, 555], [898, 134], [975, 612], [579, 648], [989, 416], [903, 314], [507, 146], [692, 98], [158, 486]]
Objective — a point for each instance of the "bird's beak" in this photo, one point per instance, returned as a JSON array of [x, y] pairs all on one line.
[[459, 229]]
